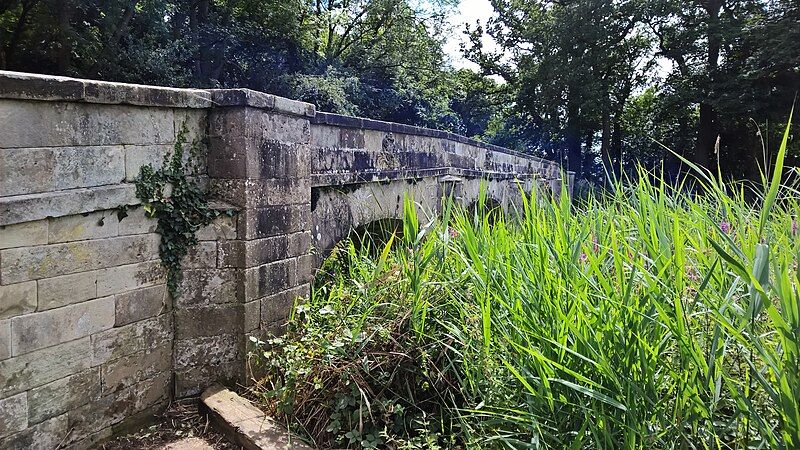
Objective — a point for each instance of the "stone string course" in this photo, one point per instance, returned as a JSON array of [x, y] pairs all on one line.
[[91, 343]]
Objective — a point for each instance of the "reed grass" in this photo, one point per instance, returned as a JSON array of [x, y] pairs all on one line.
[[650, 316]]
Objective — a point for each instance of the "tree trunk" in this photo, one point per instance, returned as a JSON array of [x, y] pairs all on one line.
[[573, 141], [707, 128], [63, 57], [605, 145], [616, 148]]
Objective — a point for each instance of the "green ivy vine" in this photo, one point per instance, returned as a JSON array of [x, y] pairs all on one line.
[[179, 202]]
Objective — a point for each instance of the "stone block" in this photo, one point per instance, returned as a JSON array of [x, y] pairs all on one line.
[[13, 414], [67, 289], [267, 126], [137, 156], [17, 299], [24, 208], [45, 435], [270, 278], [277, 159], [57, 397], [246, 254], [140, 304], [209, 351], [122, 341], [209, 286], [202, 255], [23, 234], [136, 222], [192, 381], [351, 138], [5, 339], [30, 263], [277, 307], [252, 316], [210, 320], [62, 124], [222, 228], [273, 221], [43, 366], [241, 97], [142, 95], [76, 167], [44, 329], [254, 193], [26, 170], [132, 369], [99, 416], [294, 107], [325, 136], [28, 86], [80, 227], [115, 280]]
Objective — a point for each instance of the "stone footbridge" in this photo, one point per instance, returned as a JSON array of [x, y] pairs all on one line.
[[90, 340]]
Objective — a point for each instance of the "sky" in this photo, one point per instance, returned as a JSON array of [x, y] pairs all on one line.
[[468, 11]]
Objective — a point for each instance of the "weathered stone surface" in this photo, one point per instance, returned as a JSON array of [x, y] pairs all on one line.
[[26, 170], [53, 399], [276, 308], [203, 321], [245, 424], [45, 435], [67, 289], [133, 306], [43, 366], [351, 138], [129, 339], [136, 222], [242, 97], [111, 409], [207, 286], [44, 329], [63, 124], [223, 227], [252, 315], [83, 226], [274, 221], [137, 156], [325, 136], [5, 339], [13, 414], [115, 280], [252, 253], [132, 369], [254, 193], [202, 255], [270, 278], [17, 299], [208, 350], [25, 208], [30, 263], [278, 159], [77, 167], [142, 95], [23, 234], [39, 87]]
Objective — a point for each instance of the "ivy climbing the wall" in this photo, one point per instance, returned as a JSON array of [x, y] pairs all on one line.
[[174, 196]]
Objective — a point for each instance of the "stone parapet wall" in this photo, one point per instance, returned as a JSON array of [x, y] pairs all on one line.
[[91, 342]]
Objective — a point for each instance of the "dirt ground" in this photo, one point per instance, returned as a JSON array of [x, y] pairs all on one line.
[[181, 420]]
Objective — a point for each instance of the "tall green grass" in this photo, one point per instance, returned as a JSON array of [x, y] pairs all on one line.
[[648, 317]]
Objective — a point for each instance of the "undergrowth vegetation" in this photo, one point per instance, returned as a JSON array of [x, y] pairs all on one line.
[[647, 317]]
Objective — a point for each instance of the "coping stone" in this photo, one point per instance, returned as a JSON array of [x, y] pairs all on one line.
[[244, 423]]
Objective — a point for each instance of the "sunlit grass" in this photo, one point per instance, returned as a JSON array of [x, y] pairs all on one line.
[[648, 317]]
